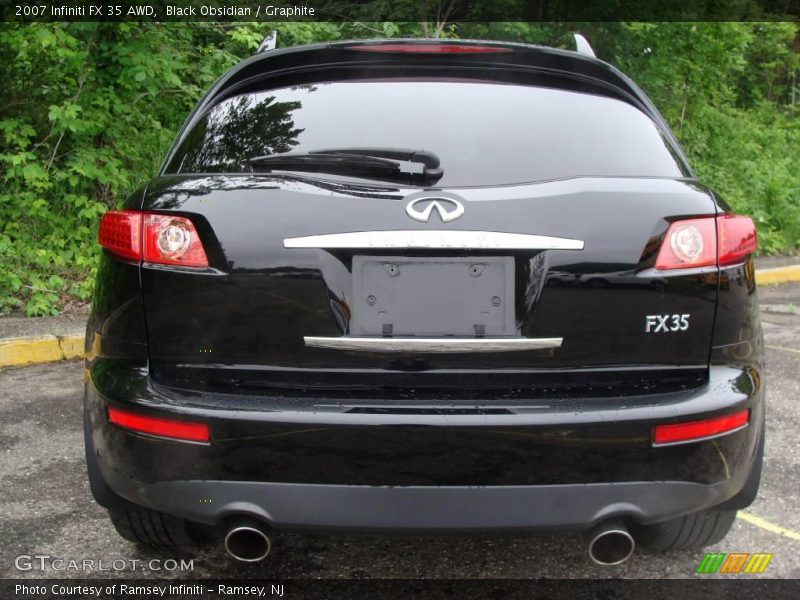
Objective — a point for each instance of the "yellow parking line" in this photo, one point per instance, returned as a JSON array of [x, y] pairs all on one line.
[[768, 525], [795, 350]]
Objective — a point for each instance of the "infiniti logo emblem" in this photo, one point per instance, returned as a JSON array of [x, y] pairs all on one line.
[[421, 209]]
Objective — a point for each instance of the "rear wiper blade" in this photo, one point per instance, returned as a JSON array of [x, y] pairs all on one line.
[[432, 164], [367, 161]]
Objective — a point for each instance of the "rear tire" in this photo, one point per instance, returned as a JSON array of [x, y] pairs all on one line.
[[706, 527], [688, 532], [750, 490], [149, 527], [133, 523], [103, 494]]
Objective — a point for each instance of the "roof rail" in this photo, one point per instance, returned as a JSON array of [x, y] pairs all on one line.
[[268, 43], [582, 45]]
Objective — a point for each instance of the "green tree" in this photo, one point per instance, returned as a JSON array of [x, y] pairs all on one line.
[[88, 110]]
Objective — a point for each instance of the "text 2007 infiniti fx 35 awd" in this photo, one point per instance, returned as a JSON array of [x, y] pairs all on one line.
[[355, 298]]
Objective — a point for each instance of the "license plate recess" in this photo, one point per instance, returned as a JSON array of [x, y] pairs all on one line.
[[433, 296]]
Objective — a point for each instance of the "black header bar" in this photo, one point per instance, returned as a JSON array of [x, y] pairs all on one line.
[[269, 11]]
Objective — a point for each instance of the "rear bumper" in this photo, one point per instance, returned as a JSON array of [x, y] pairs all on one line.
[[498, 468], [425, 508]]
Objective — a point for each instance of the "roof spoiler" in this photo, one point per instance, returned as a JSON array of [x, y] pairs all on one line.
[[268, 43], [582, 45]]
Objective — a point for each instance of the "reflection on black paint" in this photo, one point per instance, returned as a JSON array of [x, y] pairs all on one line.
[[237, 130]]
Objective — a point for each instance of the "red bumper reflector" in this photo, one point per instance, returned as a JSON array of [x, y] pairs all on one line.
[[179, 430], [697, 430], [431, 48]]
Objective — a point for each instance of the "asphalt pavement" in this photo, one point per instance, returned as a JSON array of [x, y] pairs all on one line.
[[46, 508]]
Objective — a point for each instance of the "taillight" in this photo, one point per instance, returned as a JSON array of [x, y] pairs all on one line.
[[160, 239], [120, 232], [431, 48], [172, 241], [737, 238], [689, 243], [707, 241], [697, 430], [169, 428]]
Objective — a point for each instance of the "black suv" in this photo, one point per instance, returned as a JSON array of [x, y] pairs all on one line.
[[425, 286]]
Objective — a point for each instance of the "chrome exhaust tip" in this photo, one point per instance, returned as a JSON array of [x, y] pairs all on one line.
[[247, 541], [610, 543]]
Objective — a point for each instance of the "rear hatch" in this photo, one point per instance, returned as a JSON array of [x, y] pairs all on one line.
[[544, 226]]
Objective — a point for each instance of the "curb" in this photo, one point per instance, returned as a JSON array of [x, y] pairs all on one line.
[[778, 275], [16, 352]]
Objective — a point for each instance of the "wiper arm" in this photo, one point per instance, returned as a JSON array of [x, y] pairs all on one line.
[[370, 162], [433, 166]]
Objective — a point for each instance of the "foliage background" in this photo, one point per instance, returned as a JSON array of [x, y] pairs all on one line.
[[87, 111]]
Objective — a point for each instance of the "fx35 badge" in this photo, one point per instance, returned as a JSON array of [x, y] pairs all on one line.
[[666, 323]]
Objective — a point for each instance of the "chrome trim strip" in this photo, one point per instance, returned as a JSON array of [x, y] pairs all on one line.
[[414, 344], [434, 239]]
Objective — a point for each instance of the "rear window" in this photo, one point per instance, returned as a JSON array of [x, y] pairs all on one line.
[[484, 133]]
